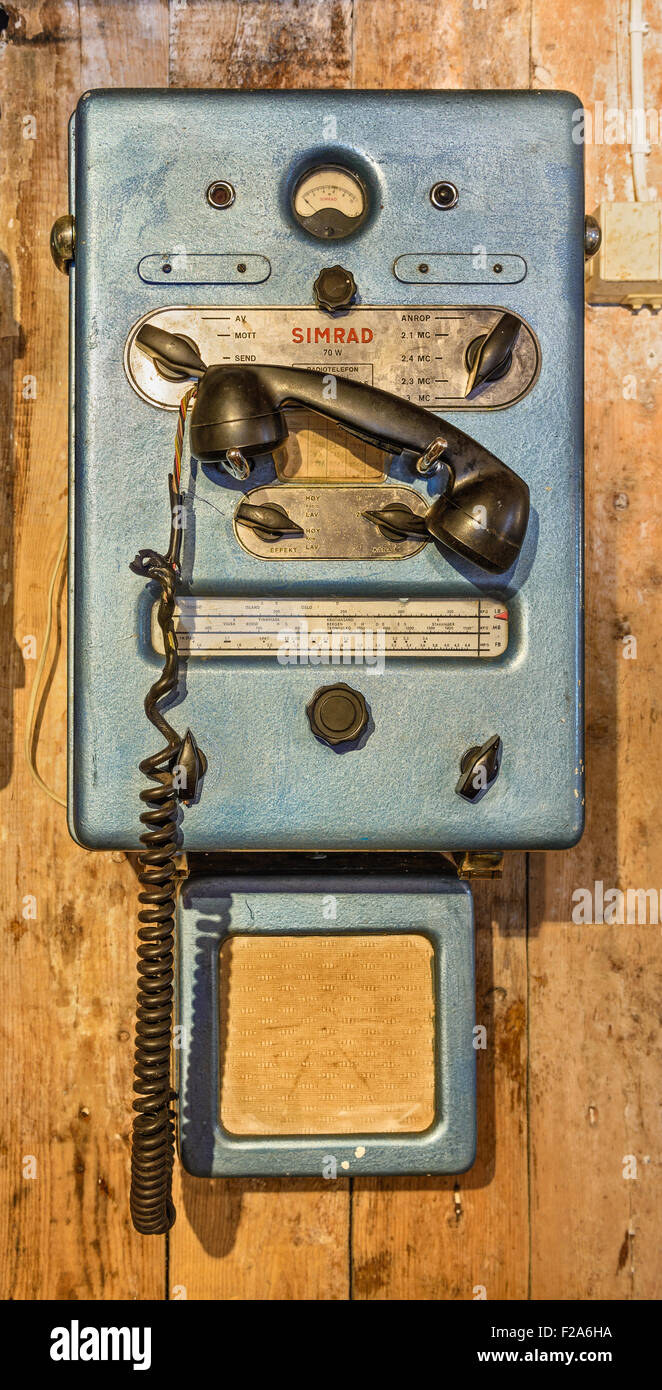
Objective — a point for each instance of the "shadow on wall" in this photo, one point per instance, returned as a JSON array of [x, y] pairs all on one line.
[[13, 676]]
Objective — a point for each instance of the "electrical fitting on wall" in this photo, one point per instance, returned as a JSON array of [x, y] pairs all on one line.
[[350, 608], [624, 240]]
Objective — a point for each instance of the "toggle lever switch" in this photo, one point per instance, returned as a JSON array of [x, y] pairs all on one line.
[[189, 765], [397, 522], [489, 357], [269, 522], [176, 356], [480, 769]]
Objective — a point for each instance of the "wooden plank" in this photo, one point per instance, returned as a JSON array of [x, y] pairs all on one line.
[[255, 1238], [69, 970], [420, 43], [465, 1237], [261, 43], [445, 1238], [595, 990]]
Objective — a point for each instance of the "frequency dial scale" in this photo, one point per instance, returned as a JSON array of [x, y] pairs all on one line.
[[368, 628]]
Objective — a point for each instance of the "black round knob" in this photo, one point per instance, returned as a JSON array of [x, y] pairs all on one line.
[[337, 714], [334, 288]]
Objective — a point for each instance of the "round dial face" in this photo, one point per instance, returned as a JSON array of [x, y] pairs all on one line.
[[330, 202]]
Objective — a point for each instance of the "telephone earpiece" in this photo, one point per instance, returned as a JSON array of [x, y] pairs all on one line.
[[483, 512]]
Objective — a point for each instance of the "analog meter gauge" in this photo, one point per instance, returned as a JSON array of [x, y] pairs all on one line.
[[330, 202]]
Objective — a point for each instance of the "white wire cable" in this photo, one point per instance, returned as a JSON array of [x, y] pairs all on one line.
[[638, 144], [30, 756]]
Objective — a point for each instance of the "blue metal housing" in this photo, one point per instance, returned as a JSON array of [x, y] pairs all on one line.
[[141, 162], [211, 909]]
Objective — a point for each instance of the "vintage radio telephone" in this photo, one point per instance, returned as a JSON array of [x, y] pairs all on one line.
[[239, 415], [321, 498]]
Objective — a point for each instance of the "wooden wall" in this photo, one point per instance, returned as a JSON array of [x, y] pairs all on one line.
[[570, 1083]]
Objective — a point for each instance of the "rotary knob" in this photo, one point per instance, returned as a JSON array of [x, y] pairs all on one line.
[[337, 714], [489, 358], [479, 769], [334, 289]]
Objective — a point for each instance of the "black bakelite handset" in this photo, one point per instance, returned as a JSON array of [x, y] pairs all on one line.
[[484, 509]]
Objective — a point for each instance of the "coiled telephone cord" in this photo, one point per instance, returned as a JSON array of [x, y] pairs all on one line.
[[153, 1145]]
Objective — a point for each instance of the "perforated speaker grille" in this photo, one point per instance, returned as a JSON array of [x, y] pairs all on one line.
[[327, 1035]]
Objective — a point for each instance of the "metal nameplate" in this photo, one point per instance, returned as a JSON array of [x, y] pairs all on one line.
[[418, 351], [211, 268], [459, 268], [333, 522], [301, 630]]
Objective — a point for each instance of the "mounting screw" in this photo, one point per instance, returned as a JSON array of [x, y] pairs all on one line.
[[63, 241], [592, 236]]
